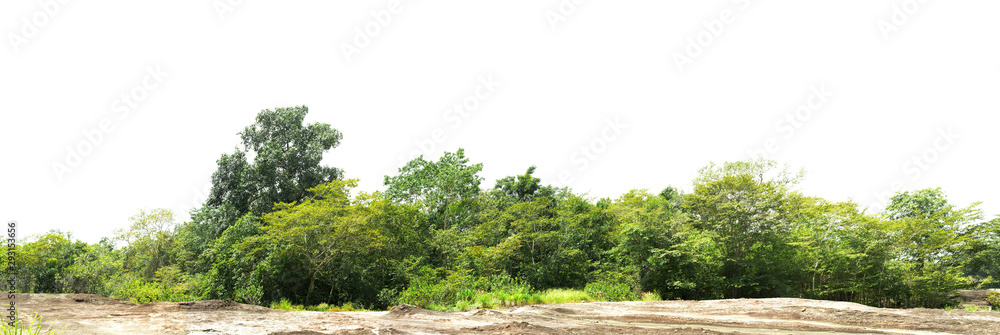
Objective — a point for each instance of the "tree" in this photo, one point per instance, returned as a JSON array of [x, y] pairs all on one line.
[[534, 241], [930, 234], [328, 248], [323, 230], [843, 254], [747, 210], [41, 261], [91, 269], [982, 253], [673, 196], [236, 255], [929, 229], [286, 155], [922, 204], [653, 245], [195, 238], [444, 189], [522, 188], [760, 170], [148, 242]]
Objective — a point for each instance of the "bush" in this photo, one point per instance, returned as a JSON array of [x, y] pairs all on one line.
[[285, 305], [459, 290], [994, 300], [936, 286], [612, 286], [610, 291], [130, 287], [650, 296]]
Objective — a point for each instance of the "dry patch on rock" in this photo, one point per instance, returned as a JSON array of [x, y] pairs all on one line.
[[515, 327]]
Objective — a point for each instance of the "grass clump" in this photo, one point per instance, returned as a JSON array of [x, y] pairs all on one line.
[[460, 291], [346, 307], [286, 305], [31, 329], [650, 296], [561, 295], [967, 308]]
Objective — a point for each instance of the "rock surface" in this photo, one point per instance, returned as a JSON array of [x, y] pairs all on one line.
[[86, 314]]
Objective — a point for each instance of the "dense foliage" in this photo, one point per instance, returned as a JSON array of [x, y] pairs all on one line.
[[281, 228]]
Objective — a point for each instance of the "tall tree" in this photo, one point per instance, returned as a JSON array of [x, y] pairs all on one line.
[[286, 162], [522, 187], [148, 242], [286, 155], [759, 170], [444, 189], [931, 237], [328, 248], [654, 246], [744, 203], [983, 252], [40, 261]]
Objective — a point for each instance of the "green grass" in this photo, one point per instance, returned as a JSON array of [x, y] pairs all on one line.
[[285, 305], [32, 328], [967, 308], [561, 295], [471, 300], [649, 296], [508, 296], [510, 299]]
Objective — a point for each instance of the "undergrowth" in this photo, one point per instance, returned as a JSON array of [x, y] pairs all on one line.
[[285, 305], [459, 291], [19, 328]]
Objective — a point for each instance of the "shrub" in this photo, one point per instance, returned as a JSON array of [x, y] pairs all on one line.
[[610, 291], [459, 290], [463, 305], [994, 300], [251, 294], [612, 286], [650, 296], [284, 305]]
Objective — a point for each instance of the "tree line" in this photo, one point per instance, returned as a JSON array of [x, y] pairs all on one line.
[[280, 226]]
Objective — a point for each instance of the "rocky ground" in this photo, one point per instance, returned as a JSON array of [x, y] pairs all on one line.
[[86, 314]]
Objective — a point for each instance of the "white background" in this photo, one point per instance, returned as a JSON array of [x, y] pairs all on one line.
[[899, 77]]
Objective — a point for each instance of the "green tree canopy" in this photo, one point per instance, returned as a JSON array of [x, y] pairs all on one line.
[[279, 163], [523, 187], [746, 205], [444, 189], [286, 162]]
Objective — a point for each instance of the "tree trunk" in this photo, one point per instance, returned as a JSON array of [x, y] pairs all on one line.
[[312, 282]]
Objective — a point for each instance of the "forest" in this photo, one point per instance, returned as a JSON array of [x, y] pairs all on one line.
[[279, 227]]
